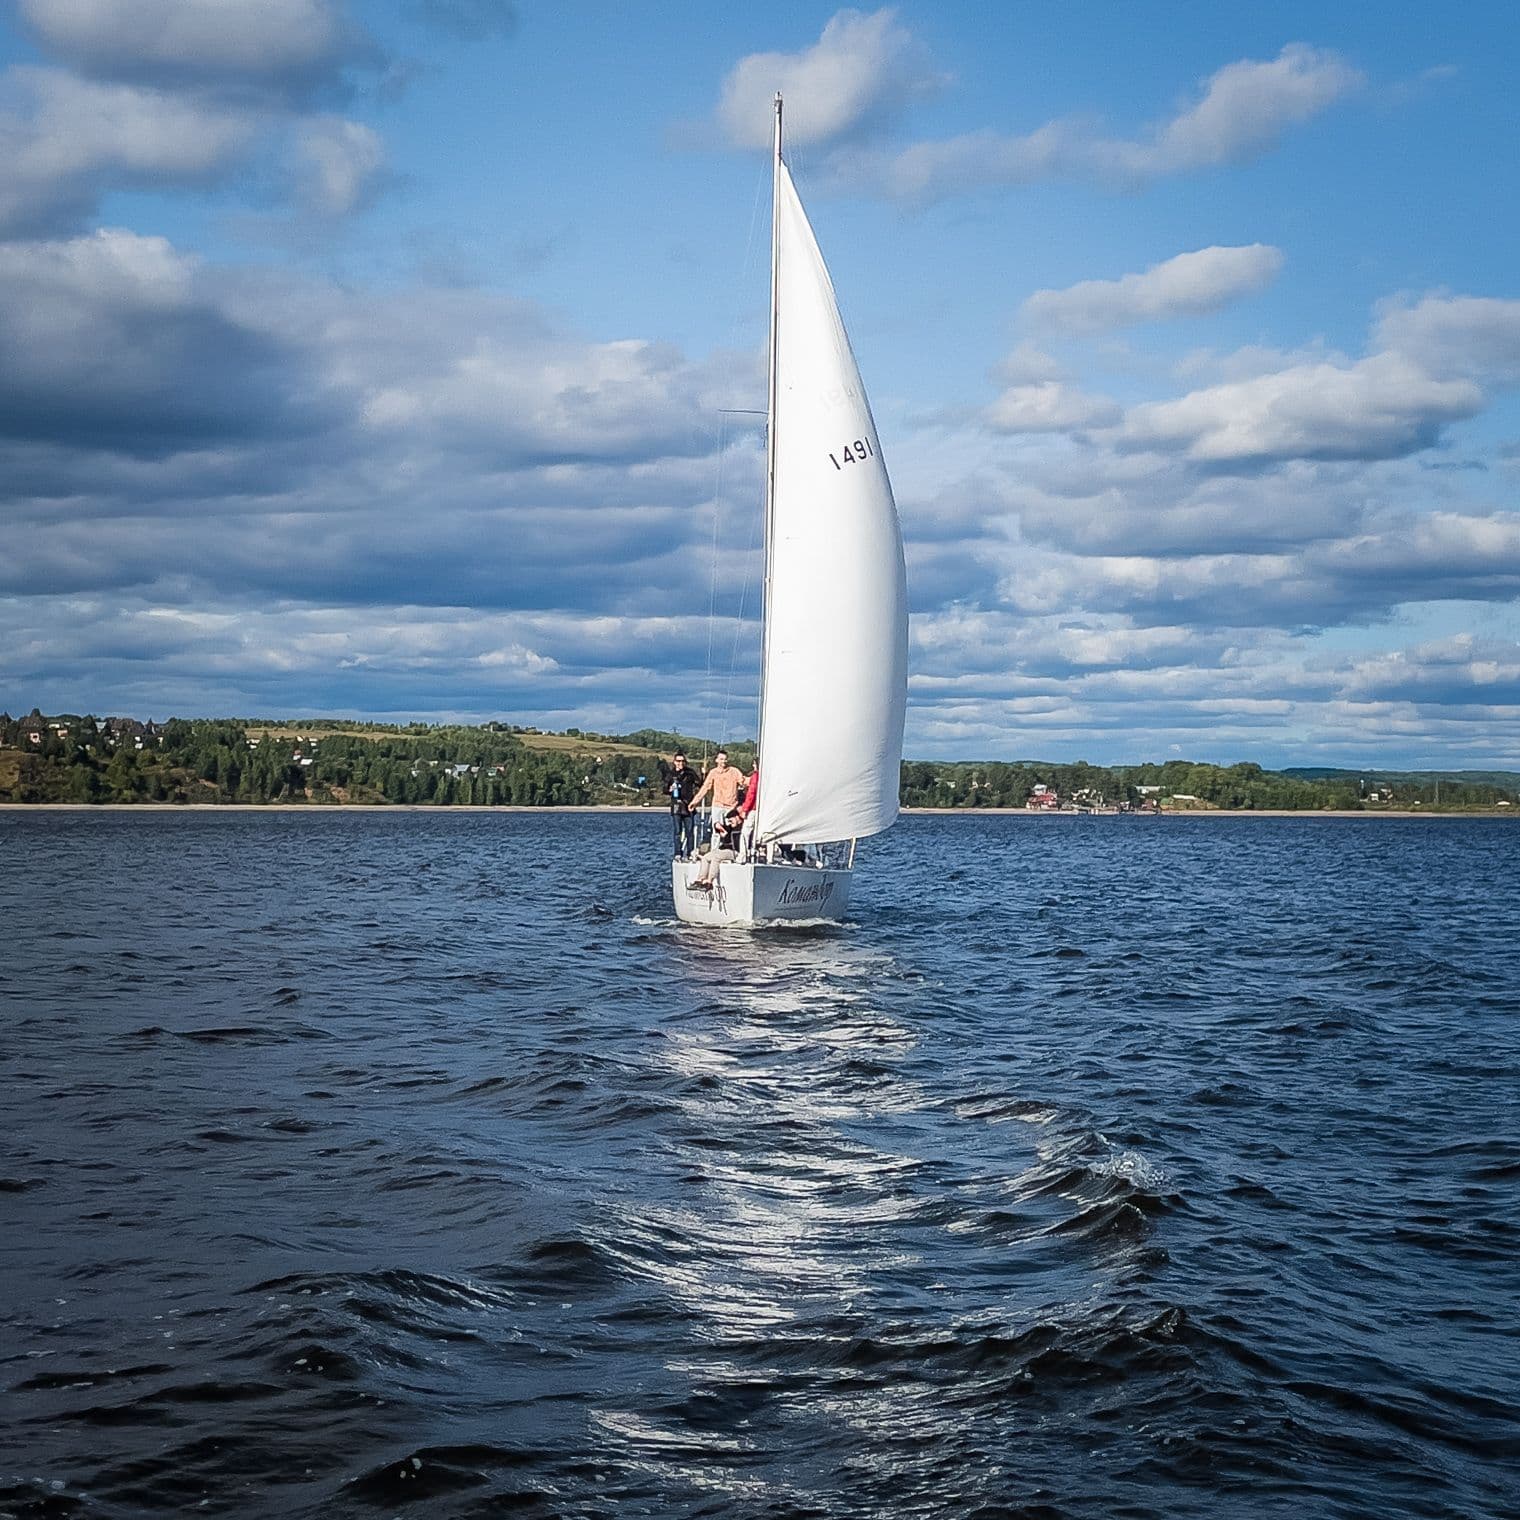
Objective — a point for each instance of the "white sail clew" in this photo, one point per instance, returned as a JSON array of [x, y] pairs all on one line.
[[834, 682]]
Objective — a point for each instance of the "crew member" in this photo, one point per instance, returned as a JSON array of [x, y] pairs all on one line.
[[681, 787]]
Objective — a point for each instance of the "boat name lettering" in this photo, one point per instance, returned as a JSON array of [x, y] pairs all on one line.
[[814, 892], [853, 453]]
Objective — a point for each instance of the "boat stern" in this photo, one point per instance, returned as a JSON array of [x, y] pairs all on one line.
[[753, 892]]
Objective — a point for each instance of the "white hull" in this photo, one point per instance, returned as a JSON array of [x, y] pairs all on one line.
[[753, 892]]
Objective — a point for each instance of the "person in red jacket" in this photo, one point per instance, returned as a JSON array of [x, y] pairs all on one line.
[[747, 812]]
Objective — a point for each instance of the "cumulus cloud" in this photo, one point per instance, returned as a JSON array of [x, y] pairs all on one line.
[[64, 140], [1475, 336], [553, 470], [490, 376], [950, 642], [1187, 285], [1245, 108], [862, 68], [1067, 686], [339, 164], [1242, 112], [253, 656], [1435, 362], [1440, 554], [1168, 508], [448, 491], [234, 489], [391, 496], [284, 46], [1050, 406], [1459, 670], [1360, 577], [1029, 365], [112, 343], [172, 94], [1381, 407]]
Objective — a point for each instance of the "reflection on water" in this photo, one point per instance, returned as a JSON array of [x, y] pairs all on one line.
[[798, 1055], [374, 1162]]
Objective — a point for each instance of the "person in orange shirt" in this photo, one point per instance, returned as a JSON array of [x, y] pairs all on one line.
[[723, 782]]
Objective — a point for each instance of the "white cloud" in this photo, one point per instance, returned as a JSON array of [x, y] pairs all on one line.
[[64, 139], [1187, 285], [231, 39], [470, 371], [1358, 574], [1461, 669], [1475, 336], [1246, 107], [1253, 359], [862, 67], [1380, 407], [110, 264], [171, 94], [1442, 552], [1050, 406], [1163, 506], [1243, 111], [114, 343], [1028, 365], [339, 164], [1056, 687]]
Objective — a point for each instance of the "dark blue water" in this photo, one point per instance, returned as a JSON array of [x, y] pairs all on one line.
[[364, 1164]]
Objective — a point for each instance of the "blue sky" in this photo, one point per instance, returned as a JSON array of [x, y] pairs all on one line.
[[372, 359]]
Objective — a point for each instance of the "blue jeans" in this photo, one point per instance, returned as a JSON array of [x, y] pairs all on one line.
[[685, 832]]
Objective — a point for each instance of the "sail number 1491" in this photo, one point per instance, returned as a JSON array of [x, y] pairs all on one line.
[[853, 453]]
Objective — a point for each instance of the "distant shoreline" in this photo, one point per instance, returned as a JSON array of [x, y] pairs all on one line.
[[658, 812]]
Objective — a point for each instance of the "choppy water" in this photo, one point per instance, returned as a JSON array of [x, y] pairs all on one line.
[[365, 1164]]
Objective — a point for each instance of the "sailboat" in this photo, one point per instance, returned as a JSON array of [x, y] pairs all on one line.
[[834, 667]]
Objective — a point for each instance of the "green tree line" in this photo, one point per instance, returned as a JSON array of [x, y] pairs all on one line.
[[79, 758]]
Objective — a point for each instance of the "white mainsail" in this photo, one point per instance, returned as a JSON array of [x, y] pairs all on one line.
[[835, 674]]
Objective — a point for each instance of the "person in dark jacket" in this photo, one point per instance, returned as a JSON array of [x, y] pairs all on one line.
[[681, 784], [722, 848]]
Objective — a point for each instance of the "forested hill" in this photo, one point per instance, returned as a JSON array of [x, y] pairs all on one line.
[[78, 758]]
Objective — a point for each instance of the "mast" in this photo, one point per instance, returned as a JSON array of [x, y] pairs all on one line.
[[770, 428]]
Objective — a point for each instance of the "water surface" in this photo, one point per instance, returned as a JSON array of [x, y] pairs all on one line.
[[363, 1164]]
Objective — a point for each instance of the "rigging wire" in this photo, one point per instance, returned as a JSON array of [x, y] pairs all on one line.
[[755, 522], [712, 601], [712, 585]]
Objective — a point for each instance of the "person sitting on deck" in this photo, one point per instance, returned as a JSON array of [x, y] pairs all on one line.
[[723, 848], [724, 782]]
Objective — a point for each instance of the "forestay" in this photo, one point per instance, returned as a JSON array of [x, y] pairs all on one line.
[[836, 629]]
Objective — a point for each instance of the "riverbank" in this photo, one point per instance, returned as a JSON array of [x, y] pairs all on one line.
[[654, 812], [312, 807]]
